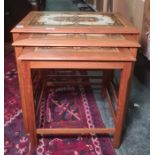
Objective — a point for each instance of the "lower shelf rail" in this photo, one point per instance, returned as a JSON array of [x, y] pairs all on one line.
[[75, 131]]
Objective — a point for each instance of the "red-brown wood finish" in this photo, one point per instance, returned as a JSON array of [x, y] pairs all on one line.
[[75, 47]]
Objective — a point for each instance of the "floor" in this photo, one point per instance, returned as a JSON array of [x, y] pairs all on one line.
[[60, 5], [136, 133]]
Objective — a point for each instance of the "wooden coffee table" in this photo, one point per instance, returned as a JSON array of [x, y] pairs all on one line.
[[67, 40]]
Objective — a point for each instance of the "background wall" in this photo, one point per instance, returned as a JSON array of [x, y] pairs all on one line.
[[99, 5], [131, 9], [136, 11], [145, 41]]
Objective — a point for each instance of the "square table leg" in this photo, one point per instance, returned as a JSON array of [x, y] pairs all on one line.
[[121, 111], [18, 51], [125, 78], [29, 102]]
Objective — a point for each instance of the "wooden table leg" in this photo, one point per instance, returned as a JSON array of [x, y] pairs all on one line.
[[18, 51], [122, 102], [29, 103]]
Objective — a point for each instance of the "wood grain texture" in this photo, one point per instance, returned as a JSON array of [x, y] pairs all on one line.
[[29, 102], [76, 65], [75, 47], [24, 25], [74, 55], [122, 102], [75, 131], [18, 51], [76, 42]]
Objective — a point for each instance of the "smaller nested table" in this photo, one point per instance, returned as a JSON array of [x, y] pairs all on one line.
[[50, 40]]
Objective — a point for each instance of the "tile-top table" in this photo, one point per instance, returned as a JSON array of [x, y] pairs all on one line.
[[74, 22], [74, 40]]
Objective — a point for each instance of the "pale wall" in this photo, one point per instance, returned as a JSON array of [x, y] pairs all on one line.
[[131, 9]]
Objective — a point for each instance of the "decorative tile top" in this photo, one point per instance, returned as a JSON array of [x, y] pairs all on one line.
[[59, 19], [74, 22]]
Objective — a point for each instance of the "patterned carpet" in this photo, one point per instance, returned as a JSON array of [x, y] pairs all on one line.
[[70, 106]]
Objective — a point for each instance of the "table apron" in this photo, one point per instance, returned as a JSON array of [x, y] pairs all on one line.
[[76, 65]]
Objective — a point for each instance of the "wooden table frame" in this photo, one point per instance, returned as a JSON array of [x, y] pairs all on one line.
[[25, 74], [24, 66]]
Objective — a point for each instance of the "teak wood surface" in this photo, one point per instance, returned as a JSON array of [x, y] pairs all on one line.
[[75, 47], [25, 26]]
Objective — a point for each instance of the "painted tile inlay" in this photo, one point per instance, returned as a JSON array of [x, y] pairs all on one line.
[[58, 19]]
